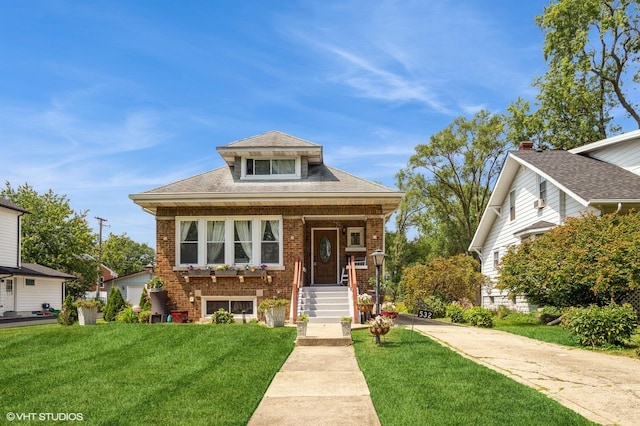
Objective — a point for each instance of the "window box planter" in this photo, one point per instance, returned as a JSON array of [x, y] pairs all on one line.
[[226, 273], [254, 273], [199, 272]]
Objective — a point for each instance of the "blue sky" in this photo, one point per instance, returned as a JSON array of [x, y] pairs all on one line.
[[102, 99]]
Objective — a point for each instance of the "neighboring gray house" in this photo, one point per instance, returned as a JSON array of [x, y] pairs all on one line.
[[131, 285], [538, 190], [24, 287]]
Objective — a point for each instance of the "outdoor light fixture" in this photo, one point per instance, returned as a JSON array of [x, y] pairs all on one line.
[[378, 260]]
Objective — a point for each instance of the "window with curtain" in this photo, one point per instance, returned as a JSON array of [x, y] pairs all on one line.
[[243, 244], [189, 241], [215, 242], [270, 244]]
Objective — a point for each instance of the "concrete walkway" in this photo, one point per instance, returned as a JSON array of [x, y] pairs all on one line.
[[603, 388], [318, 385]]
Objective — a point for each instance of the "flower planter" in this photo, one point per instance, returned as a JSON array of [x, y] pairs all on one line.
[[199, 273], [365, 308], [255, 273], [393, 315], [226, 273], [379, 331], [302, 328], [346, 328], [275, 316], [87, 316]]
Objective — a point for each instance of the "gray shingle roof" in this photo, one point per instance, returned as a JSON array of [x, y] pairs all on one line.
[[270, 140], [321, 179], [586, 177], [33, 269]]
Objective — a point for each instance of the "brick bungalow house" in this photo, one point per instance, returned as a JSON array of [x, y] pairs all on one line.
[[275, 204]]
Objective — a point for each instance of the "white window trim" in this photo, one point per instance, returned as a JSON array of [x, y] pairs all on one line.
[[229, 255], [355, 230], [243, 169], [205, 299]]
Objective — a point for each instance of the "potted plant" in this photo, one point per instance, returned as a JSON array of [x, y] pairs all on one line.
[[225, 271], [345, 322], [155, 284], [87, 311], [389, 309], [365, 302], [274, 311], [301, 324]]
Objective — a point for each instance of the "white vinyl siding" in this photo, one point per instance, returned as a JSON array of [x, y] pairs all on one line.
[[31, 297], [625, 155], [232, 240], [526, 188], [9, 243]]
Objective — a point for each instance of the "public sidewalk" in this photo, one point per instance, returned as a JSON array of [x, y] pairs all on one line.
[[318, 385], [603, 388]]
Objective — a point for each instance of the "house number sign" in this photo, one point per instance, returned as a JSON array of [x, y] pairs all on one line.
[[422, 313]]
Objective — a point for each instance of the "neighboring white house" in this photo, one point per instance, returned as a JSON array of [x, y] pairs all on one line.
[[24, 287], [537, 190]]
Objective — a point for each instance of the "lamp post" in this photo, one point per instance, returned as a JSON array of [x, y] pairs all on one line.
[[378, 260]]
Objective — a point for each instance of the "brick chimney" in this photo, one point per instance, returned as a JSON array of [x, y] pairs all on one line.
[[526, 146]]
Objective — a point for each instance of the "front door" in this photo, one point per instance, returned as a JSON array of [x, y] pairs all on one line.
[[7, 299], [325, 256]]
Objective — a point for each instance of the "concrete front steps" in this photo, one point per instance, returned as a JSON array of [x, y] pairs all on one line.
[[325, 304]]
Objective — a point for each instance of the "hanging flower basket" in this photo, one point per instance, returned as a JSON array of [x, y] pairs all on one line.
[[365, 308], [392, 315], [379, 331]]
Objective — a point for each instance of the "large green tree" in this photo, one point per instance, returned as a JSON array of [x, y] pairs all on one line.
[[55, 235], [450, 180], [590, 260], [592, 49], [125, 256]]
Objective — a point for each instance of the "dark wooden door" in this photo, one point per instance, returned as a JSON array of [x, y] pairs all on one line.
[[325, 256]]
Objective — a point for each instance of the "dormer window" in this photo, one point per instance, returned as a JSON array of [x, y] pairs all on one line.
[[271, 167]]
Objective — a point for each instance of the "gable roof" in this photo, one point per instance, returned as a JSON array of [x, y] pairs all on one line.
[[586, 179], [322, 185], [9, 205], [33, 269], [273, 143], [589, 181]]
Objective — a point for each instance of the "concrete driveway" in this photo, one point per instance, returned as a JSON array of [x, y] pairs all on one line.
[[603, 388]]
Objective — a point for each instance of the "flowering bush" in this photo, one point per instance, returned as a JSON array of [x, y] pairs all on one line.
[[365, 299]]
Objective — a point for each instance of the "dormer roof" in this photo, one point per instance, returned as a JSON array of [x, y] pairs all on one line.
[[271, 144]]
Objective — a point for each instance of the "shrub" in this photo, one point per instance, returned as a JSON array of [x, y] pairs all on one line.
[[143, 316], [503, 311], [127, 316], [69, 313], [115, 303], [222, 317], [479, 317], [456, 313], [145, 301], [548, 314], [437, 306], [599, 326]]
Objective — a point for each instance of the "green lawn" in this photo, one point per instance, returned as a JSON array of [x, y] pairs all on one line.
[[414, 380], [141, 373]]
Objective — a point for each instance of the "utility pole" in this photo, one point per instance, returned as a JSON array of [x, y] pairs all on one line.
[[101, 222]]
